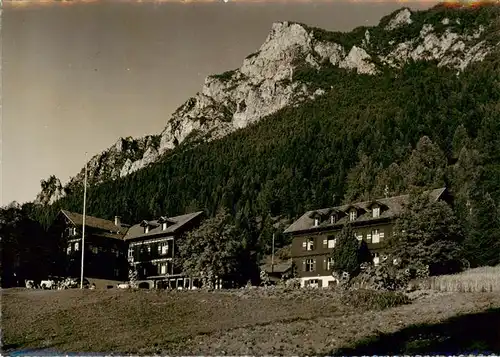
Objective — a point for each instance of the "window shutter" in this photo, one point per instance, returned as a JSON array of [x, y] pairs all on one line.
[[304, 265], [381, 234], [304, 246], [314, 265], [324, 264], [325, 242]]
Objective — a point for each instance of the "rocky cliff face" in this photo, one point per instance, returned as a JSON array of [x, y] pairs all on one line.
[[265, 82]]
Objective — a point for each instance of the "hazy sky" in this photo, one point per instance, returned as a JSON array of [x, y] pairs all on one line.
[[77, 76]]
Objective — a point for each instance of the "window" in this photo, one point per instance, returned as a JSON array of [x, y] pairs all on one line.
[[95, 250], [68, 250], [149, 248], [310, 244], [316, 222], [331, 242], [376, 258], [313, 283], [329, 265], [130, 253], [163, 269], [376, 212], [162, 248], [352, 215], [72, 231], [375, 236], [117, 253], [333, 219], [359, 236], [146, 229], [310, 264], [77, 246], [164, 226], [117, 272]]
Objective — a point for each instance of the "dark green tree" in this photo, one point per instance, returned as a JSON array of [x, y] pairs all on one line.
[[361, 180], [349, 253], [460, 140], [427, 235], [26, 253], [482, 244], [214, 249], [426, 166]]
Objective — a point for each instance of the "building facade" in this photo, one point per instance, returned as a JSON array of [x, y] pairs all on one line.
[[105, 248], [152, 247], [314, 233]]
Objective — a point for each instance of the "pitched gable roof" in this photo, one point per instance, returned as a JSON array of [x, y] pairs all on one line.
[[393, 207], [108, 227], [178, 222]]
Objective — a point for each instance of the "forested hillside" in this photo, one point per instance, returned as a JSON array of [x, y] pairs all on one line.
[[423, 126]]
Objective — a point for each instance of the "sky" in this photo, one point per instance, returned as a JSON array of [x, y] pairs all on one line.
[[78, 75]]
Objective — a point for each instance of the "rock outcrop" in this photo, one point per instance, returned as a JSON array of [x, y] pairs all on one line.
[[52, 190]]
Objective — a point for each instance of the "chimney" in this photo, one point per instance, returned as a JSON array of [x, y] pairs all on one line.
[[118, 221]]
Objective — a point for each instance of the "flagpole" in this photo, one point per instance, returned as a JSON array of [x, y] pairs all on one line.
[[83, 223], [272, 257]]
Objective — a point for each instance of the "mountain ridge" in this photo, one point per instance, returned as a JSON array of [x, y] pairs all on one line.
[[269, 79]]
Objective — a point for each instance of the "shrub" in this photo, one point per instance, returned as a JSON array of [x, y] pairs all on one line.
[[374, 300], [388, 276], [382, 277]]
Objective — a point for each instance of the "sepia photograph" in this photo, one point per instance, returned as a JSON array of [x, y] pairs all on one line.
[[249, 177]]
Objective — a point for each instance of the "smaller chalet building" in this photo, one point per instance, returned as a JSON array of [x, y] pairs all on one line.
[[314, 233], [152, 250], [105, 248]]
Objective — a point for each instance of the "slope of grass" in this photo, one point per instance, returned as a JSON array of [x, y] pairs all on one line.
[[232, 322], [474, 280]]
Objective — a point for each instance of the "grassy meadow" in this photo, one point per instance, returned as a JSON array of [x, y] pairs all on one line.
[[235, 322], [483, 279]]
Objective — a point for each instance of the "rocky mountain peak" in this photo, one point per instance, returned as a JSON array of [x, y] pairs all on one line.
[[266, 81], [401, 18]]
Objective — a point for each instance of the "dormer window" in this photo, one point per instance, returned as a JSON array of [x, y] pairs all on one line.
[[376, 208], [316, 217], [165, 223], [145, 224], [353, 215], [333, 219]]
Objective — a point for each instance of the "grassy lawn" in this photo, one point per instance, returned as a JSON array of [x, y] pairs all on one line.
[[220, 322]]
